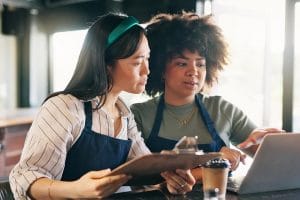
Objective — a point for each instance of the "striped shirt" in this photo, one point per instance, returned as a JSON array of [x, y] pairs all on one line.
[[55, 129]]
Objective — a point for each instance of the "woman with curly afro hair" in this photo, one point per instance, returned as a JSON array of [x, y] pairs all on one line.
[[187, 53]]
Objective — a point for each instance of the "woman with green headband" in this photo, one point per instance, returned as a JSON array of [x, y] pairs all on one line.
[[84, 131]]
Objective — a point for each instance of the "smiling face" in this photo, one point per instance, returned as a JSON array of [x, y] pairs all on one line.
[[184, 77], [130, 74]]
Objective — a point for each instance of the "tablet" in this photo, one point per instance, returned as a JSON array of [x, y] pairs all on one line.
[[156, 163]]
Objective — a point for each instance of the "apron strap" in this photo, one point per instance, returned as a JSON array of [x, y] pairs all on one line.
[[88, 114]]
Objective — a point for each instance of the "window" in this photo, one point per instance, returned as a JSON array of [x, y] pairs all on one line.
[[296, 111], [254, 30], [8, 72], [66, 47]]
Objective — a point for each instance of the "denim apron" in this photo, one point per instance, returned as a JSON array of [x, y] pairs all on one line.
[[93, 151], [156, 143]]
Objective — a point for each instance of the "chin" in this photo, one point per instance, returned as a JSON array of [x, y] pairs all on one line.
[[136, 91], [190, 93]]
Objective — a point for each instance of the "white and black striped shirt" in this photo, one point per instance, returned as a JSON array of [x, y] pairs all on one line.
[[55, 129]]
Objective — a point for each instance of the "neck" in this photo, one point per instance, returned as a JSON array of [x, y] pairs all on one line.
[[178, 100], [110, 104]]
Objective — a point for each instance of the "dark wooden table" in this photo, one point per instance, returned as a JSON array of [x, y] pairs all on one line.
[[197, 194]]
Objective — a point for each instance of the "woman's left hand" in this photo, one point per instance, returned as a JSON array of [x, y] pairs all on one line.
[[233, 156], [257, 135], [180, 181]]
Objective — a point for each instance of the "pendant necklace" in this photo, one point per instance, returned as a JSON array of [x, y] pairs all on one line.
[[182, 121]]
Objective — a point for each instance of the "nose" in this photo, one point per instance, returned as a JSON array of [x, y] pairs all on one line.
[[192, 70], [145, 67]]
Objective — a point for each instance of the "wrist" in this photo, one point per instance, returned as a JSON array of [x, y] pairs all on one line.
[[63, 190], [49, 189]]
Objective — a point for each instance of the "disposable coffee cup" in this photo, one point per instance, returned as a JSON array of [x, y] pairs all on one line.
[[215, 175]]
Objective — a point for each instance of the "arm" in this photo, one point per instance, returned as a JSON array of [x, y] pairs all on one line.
[[51, 134], [92, 185], [138, 147], [54, 131], [233, 125]]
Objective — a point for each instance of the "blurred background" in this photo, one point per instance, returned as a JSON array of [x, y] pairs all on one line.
[[40, 41]]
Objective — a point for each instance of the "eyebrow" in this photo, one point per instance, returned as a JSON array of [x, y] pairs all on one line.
[[186, 58], [141, 56]]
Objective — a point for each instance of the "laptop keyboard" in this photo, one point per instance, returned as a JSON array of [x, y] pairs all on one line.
[[234, 183]]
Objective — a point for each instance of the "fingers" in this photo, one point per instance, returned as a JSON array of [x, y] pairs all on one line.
[[254, 139], [186, 175], [173, 184], [234, 157], [116, 179], [172, 189], [99, 184], [167, 152], [257, 135], [274, 130], [98, 174], [243, 158], [247, 143], [179, 182], [110, 184]]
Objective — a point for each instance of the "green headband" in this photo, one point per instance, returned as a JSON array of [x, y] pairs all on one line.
[[125, 25]]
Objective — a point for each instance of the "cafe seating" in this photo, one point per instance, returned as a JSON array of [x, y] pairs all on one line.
[[5, 191]]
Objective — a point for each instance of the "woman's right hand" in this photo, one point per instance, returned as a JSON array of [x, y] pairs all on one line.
[[98, 184], [233, 156]]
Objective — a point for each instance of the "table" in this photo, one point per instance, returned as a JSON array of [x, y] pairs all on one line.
[[14, 125], [197, 194]]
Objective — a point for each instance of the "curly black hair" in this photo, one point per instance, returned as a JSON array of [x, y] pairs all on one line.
[[170, 34]]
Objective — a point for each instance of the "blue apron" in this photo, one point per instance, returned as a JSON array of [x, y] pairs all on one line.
[[93, 151], [157, 144]]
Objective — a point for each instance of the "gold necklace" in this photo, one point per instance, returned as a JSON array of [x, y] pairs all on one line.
[[186, 120]]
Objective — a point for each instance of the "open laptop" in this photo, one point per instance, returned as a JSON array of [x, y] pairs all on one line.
[[276, 166]]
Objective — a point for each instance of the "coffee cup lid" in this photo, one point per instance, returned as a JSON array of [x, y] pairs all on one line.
[[217, 163]]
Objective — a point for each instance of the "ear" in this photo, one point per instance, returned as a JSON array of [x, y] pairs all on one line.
[[109, 72], [109, 75], [109, 69]]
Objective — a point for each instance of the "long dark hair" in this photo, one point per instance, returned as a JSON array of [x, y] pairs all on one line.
[[169, 35], [92, 76]]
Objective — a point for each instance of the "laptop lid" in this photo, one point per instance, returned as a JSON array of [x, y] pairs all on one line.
[[276, 165]]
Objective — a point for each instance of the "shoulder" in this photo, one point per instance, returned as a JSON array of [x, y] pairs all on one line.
[[123, 107], [63, 100], [144, 113], [64, 105], [218, 106], [145, 106], [218, 102]]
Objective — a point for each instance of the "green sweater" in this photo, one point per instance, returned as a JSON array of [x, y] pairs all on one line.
[[231, 123]]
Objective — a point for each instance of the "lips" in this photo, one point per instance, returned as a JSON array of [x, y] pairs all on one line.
[[192, 83], [143, 82]]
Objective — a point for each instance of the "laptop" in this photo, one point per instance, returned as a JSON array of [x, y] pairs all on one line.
[[275, 166]]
